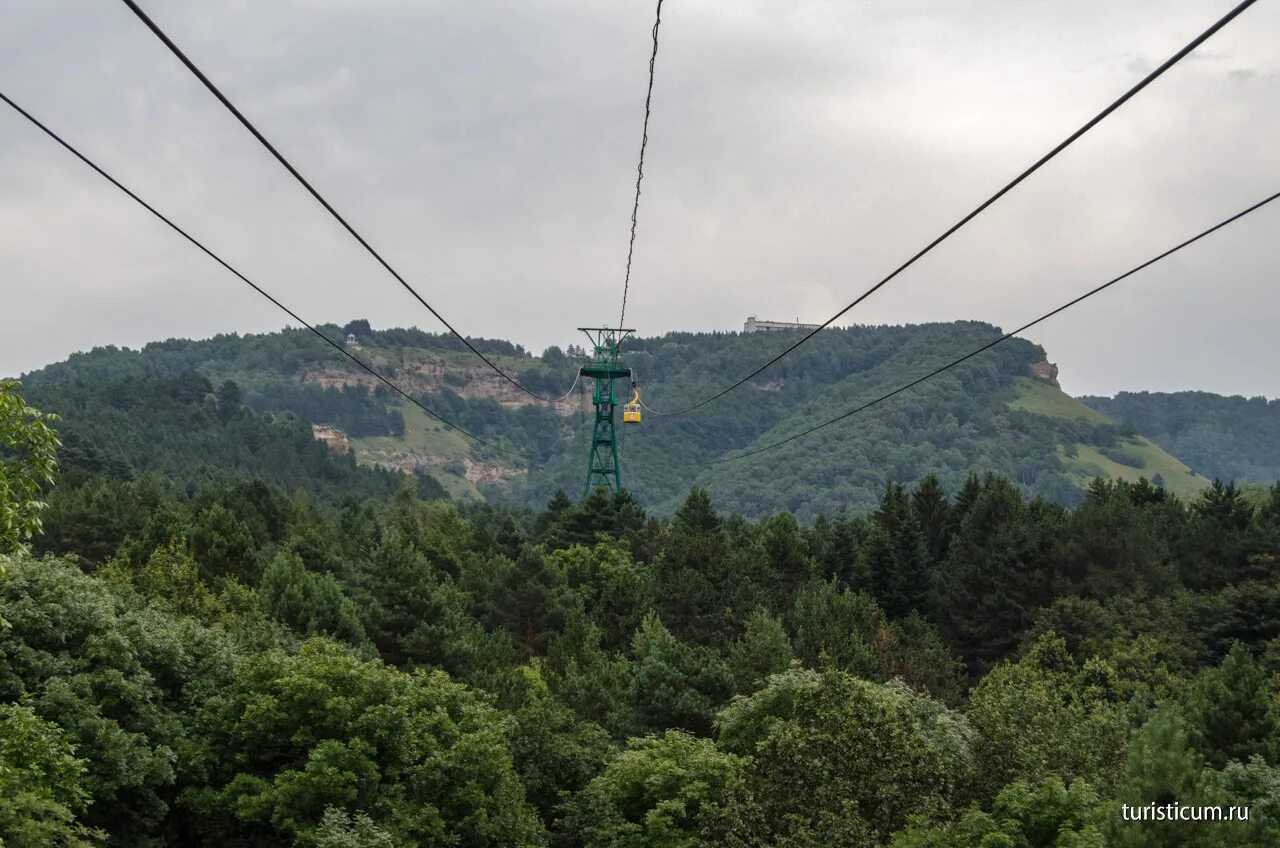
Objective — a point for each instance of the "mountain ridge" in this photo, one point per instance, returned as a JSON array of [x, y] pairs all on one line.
[[1000, 412]]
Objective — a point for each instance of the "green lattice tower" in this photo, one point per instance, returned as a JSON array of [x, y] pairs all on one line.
[[604, 463]]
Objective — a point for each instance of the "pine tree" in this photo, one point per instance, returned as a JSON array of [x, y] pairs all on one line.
[[994, 580], [787, 560], [896, 556], [697, 515], [1218, 552], [840, 557], [1226, 506], [556, 507], [691, 579], [932, 512], [964, 500], [674, 684], [1162, 768], [1229, 711], [529, 590], [762, 649]]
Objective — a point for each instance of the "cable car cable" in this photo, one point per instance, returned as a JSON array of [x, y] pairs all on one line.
[[562, 397], [215, 257], [635, 381], [1006, 336], [1063, 145], [644, 142], [213, 89]]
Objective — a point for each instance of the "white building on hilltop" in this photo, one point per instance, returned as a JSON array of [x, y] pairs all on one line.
[[755, 326]]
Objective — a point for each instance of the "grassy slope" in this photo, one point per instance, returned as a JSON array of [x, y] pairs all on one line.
[[1090, 463], [1228, 437], [1043, 399], [423, 436]]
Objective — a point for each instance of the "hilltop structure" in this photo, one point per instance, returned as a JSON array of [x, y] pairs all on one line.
[[756, 326]]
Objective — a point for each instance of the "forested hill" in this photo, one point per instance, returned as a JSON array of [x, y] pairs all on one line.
[[1000, 412], [1232, 438], [216, 632]]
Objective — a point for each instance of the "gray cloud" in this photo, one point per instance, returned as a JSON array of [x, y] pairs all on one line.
[[797, 153]]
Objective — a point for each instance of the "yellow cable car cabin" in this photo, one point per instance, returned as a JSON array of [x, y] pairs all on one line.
[[631, 409]]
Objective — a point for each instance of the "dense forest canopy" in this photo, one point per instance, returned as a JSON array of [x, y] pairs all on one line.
[[996, 413], [254, 642]]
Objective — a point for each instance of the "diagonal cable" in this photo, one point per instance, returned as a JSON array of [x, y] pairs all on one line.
[[644, 142], [953, 363], [222, 98], [1063, 145], [216, 258]]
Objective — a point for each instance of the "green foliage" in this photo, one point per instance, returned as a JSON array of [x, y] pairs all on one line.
[[1047, 814], [597, 517], [655, 794], [173, 426], [500, 676], [41, 784], [1147, 640], [690, 577], [1131, 458], [338, 829], [674, 685], [838, 626], [898, 560], [357, 410], [1230, 713], [838, 543], [1045, 715], [1120, 539], [1255, 785], [1161, 768], [28, 457], [591, 680], [555, 752], [609, 586], [117, 676], [171, 578], [295, 735], [922, 659], [762, 650], [994, 579], [415, 611], [931, 511], [310, 604], [839, 761], [962, 421], [224, 545], [958, 422]]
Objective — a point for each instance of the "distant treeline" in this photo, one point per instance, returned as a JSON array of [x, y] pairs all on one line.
[[962, 421], [1231, 438]]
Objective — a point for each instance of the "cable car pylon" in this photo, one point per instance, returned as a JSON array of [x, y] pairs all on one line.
[[604, 462]]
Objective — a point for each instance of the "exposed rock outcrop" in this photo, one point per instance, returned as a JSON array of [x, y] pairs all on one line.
[[420, 373], [1047, 371], [333, 438]]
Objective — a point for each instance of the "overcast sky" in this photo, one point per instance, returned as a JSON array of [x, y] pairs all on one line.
[[798, 152]]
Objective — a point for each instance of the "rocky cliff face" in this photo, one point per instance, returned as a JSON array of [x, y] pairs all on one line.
[[332, 438], [1047, 371], [423, 372]]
